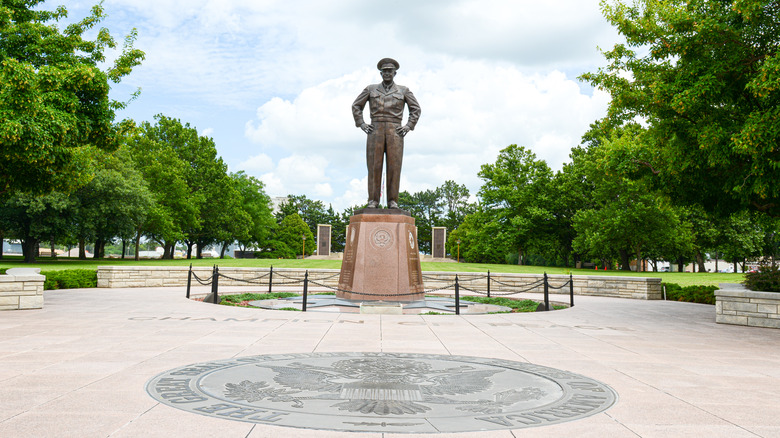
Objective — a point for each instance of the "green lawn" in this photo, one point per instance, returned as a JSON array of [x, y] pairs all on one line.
[[681, 278]]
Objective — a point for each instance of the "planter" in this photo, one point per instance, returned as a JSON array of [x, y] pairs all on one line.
[[21, 288], [734, 304]]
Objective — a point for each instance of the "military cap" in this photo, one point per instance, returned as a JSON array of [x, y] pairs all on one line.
[[385, 61]]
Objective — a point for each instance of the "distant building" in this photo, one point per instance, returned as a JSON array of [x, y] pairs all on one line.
[[276, 201]]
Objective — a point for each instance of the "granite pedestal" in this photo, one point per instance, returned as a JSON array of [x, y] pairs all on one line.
[[381, 259]]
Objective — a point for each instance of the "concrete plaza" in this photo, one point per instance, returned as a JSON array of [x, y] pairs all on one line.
[[78, 367]]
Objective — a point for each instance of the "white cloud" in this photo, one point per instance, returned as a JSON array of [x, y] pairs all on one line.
[[257, 164], [470, 110], [488, 73]]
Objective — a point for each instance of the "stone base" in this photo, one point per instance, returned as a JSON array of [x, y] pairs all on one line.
[[381, 258]]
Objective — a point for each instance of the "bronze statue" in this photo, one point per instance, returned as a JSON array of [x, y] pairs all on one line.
[[385, 133]]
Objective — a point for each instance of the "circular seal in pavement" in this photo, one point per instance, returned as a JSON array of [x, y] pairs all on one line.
[[382, 392]]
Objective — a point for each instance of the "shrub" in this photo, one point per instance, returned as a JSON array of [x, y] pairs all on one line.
[[766, 279], [70, 279], [690, 294]]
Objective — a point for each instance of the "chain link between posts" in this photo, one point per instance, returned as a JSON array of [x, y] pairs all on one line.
[[456, 285]]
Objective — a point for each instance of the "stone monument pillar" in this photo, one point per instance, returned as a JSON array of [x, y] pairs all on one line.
[[439, 239], [323, 239], [381, 259]]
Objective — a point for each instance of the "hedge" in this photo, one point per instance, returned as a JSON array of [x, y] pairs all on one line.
[[69, 279], [690, 294], [766, 279]]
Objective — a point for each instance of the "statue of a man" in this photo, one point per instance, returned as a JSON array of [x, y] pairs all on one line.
[[385, 133]]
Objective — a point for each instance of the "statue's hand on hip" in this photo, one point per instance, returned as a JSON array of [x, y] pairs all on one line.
[[402, 130], [368, 129]]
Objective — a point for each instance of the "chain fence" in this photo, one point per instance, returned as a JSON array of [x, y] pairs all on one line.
[[457, 285]]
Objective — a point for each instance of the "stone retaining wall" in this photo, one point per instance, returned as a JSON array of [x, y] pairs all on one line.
[[21, 289], [734, 304], [642, 288]]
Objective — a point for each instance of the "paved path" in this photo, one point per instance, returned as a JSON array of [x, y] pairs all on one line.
[[78, 367]]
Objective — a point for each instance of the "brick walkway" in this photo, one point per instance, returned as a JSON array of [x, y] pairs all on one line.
[[78, 367]]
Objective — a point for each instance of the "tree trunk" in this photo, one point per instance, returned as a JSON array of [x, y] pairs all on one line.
[[82, 249], [680, 265], [625, 263], [716, 261], [519, 256], [124, 248], [96, 252], [29, 247], [700, 261], [199, 251], [189, 249], [224, 248], [735, 266], [3, 244], [52, 255], [639, 267], [168, 251], [138, 245]]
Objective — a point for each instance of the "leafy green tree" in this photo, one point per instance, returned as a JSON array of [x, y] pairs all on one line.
[[54, 99], [312, 212], [291, 232], [741, 238], [36, 218], [425, 208], [114, 204], [454, 205], [175, 207], [257, 205], [482, 239], [515, 195], [705, 76], [626, 215]]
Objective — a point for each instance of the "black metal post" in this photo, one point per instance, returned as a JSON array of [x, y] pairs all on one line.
[[215, 284], [457, 296], [305, 290], [488, 284], [571, 290], [546, 294], [189, 281], [270, 279]]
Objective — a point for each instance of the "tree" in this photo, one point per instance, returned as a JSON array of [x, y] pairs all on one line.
[[453, 202], [741, 237], [626, 215], [54, 99], [257, 205], [291, 232], [35, 218], [515, 195], [175, 207], [707, 83], [312, 212], [113, 204], [424, 207]]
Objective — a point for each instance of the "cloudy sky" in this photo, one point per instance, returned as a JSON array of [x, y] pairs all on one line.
[[272, 81]]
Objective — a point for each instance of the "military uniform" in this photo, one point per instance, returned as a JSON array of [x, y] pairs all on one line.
[[387, 108]]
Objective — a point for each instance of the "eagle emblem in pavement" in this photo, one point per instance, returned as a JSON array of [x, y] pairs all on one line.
[[381, 386]]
